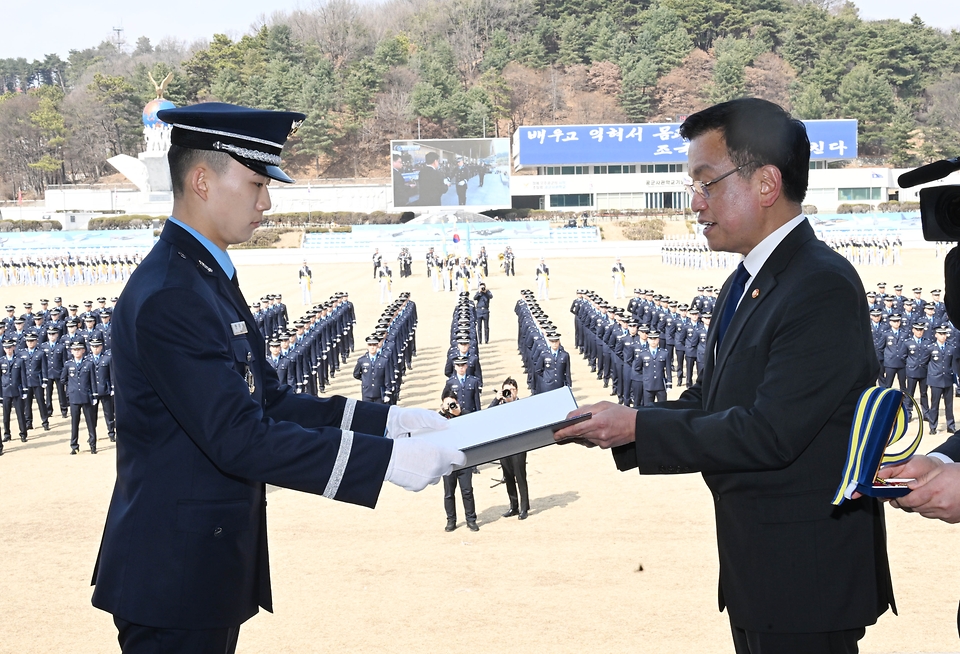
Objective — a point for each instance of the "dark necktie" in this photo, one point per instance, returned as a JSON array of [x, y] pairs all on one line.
[[733, 298]]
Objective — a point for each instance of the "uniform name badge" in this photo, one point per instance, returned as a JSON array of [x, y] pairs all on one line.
[[238, 328]]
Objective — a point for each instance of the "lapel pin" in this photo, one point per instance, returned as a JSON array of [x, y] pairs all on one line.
[[755, 294]]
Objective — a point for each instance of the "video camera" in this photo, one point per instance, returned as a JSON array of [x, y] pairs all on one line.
[[939, 205]]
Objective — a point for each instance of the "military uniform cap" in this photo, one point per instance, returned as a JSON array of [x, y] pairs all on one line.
[[918, 290], [871, 294], [275, 343], [99, 299], [943, 329], [372, 340], [888, 299], [72, 322], [929, 307], [633, 323], [58, 299], [881, 284], [39, 316], [908, 301], [9, 342], [461, 361], [898, 287], [10, 307], [683, 307], [936, 291], [52, 330], [876, 312], [919, 325], [464, 340], [44, 301], [894, 316], [654, 334], [553, 336], [19, 320], [28, 305], [645, 328], [31, 337], [90, 318], [88, 303], [93, 341], [706, 314], [254, 137], [106, 312], [674, 304], [695, 311], [113, 299], [78, 346]]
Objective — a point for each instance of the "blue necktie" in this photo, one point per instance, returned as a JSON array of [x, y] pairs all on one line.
[[733, 298]]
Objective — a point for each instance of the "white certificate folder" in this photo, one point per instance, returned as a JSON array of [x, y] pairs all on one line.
[[509, 428]]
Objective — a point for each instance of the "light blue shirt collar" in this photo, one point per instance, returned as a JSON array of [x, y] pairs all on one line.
[[222, 257]]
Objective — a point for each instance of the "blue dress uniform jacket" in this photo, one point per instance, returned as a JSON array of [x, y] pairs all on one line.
[[467, 393], [202, 424], [79, 379], [372, 376], [553, 370]]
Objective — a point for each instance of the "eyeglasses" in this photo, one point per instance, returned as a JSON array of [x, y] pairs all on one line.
[[700, 188]]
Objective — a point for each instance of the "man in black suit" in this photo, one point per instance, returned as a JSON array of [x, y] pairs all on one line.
[[204, 423], [430, 183], [767, 423]]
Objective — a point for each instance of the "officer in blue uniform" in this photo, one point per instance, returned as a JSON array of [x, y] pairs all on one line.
[[204, 423], [56, 354], [103, 385], [463, 386], [893, 360], [653, 364], [915, 353], [79, 381], [941, 366], [553, 365], [12, 386], [450, 408], [34, 365], [371, 371]]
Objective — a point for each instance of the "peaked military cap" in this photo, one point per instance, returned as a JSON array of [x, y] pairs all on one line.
[[31, 337], [275, 343], [52, 330], [372, 340], [919, 325], [553, 336], [9, 342], [93, 341], [935, 291], [78, 346], [706, 314], [461, 361], [254, 137]]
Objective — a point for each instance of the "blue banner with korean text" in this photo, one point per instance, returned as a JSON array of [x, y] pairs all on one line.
[[648, 143]]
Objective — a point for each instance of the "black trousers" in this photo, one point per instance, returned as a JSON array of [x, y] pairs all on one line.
[[15, 403], [653, 397], [899, 373], [35, 394], [830, 642], [933, 415], [681, 354], [514, 478], [139, 639], [483, 328], [61, 395], [635, 397], [924, 403], [465, 479], [90, 417], [108, 406]]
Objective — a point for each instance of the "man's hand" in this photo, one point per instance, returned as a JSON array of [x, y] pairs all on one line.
[[935, 493], [403, 422], [610, 425], [416, 463]]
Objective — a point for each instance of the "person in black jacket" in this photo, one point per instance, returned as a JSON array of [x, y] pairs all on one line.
[[431, 184], [515, 466]]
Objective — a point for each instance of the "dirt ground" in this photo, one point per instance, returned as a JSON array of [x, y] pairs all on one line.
[[606, 562]]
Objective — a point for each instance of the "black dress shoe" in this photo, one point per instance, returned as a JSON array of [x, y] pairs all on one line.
[[523, 515], [511, 513], [46, 426], [63, 414], [933, 430], [73, 451], [472, 526], [23, 439], [6, 438], [93, 449], [113, 439], [451, 525]]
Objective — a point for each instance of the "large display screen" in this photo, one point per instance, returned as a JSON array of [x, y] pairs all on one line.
[[471, 173]]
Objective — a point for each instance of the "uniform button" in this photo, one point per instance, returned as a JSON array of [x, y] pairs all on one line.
[[218, 532]]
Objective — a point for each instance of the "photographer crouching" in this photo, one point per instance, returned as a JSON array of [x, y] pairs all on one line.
[[450, 408], [514, 467]]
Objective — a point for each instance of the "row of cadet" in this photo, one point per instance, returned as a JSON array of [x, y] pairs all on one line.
[[640, 358], [67, 270], [271, 315], [455, 272], [308, 354], [696, 255], [390, 351], [868, 250], [55, 354], [917, 347], [461, 368], [545, 361]]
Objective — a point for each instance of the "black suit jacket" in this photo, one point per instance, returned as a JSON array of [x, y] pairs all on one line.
[[185, 541], [767, 424]]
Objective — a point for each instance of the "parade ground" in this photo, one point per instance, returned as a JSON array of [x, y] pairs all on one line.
[[606, 561]]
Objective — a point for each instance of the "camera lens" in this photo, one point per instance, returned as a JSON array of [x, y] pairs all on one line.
[[453, 405], [507, 392]]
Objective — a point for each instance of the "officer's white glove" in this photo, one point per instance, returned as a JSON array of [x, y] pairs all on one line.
[[403, 422], [416, 463]]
